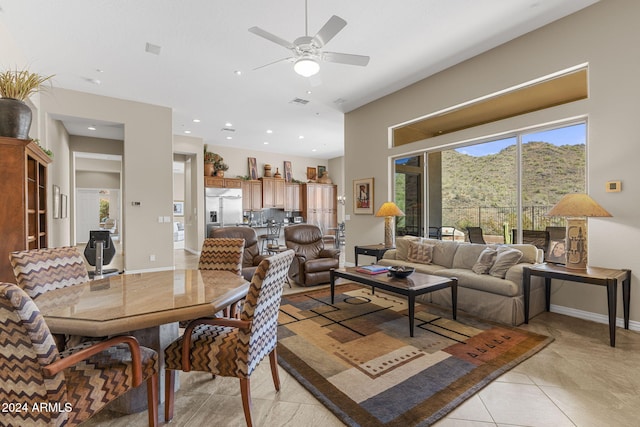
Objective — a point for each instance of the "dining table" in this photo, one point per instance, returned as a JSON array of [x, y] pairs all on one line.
[[147, 305]]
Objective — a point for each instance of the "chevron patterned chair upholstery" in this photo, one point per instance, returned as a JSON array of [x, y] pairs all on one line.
[[40, 270], [56, 389], [234, 347], [221, 253]]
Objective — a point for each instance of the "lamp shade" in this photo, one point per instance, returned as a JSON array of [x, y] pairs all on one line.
[[389, 209], [306, 66], [578, 205]]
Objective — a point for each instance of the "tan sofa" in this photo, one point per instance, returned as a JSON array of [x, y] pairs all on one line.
[[483, 295]]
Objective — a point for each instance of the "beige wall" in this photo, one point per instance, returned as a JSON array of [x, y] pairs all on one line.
[[605, 36], [147, 169], [192, 149], [102, 180]]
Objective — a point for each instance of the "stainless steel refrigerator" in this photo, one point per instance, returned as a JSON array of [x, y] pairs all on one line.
[[223, 207]]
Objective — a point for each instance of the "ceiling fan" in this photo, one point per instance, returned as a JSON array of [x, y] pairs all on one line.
[[307, 51]]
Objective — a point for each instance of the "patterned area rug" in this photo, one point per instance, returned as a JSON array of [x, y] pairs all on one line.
[[357, 358]]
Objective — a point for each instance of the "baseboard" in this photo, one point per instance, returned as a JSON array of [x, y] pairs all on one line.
[[594, 317]]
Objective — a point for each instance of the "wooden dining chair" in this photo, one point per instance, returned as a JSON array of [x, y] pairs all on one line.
[[74, 384], [233, 347], [222, 253], [40, 270]]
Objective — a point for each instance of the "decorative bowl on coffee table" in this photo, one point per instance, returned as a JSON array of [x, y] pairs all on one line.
[[400, 272]]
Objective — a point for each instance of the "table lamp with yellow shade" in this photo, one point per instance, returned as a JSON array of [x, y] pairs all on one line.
[[389, 211], [577, 208]]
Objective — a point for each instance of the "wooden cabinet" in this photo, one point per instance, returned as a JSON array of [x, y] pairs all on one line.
[[251, 195], [23, 194], [218, 182], [319, 205], [272, 193], [292, 197]]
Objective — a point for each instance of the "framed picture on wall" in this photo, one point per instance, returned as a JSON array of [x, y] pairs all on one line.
[[178, 208], [56, 202], [287, 171], [363, 196], [321, 170], [312, 174], [253, 168]]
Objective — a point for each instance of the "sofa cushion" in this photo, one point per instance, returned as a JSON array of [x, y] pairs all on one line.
[[421, 268], [485, 261], [506, 258], [467, 255], [444, 251], [483, 282], [402, 247], [420, 252]]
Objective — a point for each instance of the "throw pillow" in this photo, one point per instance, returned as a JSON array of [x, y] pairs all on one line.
[[505, 259], [420, 252], [485, 261]]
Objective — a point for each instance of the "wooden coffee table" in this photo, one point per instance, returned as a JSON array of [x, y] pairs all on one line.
[[414, 285]]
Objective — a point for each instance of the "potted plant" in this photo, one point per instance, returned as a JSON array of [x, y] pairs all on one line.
[[209, 160], [220, 166], [15, 114]]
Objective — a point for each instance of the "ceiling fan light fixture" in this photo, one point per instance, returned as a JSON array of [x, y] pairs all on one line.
[[306, 66]]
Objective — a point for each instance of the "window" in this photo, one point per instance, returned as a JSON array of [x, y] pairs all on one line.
[[499, 185]]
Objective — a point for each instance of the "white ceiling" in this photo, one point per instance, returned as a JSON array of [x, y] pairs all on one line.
[[203, 43]]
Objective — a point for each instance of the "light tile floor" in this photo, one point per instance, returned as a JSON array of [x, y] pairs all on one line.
[[578, 380]]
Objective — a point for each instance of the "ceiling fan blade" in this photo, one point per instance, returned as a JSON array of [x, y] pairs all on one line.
[[271, 37], [329, 30], [290, 59], [345, 58]]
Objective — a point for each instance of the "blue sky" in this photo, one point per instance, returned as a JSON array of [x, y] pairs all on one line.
[[569, 135]]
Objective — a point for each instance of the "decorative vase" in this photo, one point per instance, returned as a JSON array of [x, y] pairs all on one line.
[[15, 118], [267, 170], [220, 173], [208, 169], [277, 174]]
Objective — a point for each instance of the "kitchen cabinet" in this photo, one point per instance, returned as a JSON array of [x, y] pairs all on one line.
[[218, 182], [272, 193], [319, 205], [23, 194], [251, 195], [292, 197]]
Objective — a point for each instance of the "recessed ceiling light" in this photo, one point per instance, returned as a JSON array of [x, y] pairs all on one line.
[[301, 137], [265, 143], [196, 120], [269, 131], [229, 137], [91, 128], [237, 72], [187, 131], [314, 150], [309, 92], [228, 124], [99, 70]]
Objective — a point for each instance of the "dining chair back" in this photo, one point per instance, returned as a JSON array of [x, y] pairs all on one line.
[[222, 254], [40, 270], [81, 380], [234, 347]]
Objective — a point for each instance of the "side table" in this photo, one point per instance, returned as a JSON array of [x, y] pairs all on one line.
[[592, 275], [371, 250]]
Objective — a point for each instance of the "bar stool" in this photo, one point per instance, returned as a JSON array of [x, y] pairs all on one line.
[[271, 237]]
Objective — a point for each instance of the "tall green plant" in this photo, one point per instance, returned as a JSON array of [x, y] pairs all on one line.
[[20, 84]]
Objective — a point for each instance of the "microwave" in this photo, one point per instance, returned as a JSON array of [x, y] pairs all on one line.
[[298, 219]]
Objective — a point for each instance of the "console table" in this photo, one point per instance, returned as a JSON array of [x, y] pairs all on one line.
[[592, 275], [371, 250]]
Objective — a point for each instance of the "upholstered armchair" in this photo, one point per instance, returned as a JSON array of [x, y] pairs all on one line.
[[251, 257], [313, 263], [80, 381], [234, 347]]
